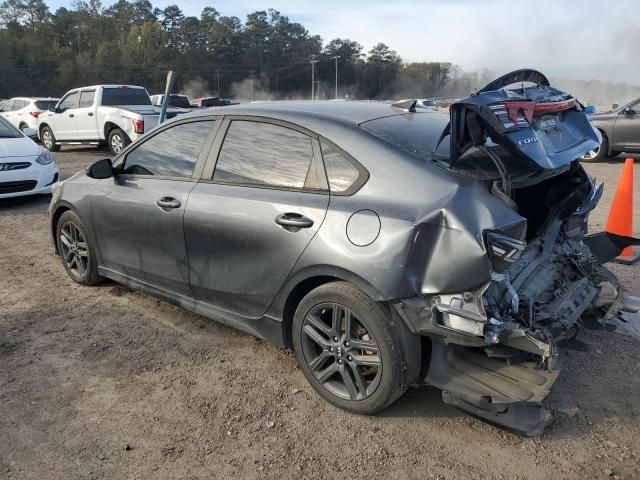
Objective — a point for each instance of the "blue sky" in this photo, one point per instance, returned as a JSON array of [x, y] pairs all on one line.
[[580, 39]]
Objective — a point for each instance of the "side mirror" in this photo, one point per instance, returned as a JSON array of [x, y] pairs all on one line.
[[30, 132], [100, 169], [614, 106]]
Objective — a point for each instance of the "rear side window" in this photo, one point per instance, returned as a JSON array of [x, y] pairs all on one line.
[[20, 104], [170, 153], [341, 173], [45, 104], [257, 153], [125, 96], [86, 98]]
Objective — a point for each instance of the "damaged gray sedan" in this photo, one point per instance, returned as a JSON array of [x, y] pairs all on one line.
[[389, 247]]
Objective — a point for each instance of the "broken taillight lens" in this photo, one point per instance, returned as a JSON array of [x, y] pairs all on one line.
[[138, 126], [514, 114], [551, 107], [502, 250], [520, 114]]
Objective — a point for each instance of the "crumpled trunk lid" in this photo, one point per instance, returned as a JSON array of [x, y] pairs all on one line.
[[540, 127]]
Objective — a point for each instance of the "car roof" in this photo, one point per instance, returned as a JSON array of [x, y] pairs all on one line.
[[353, 112], [34, 99]]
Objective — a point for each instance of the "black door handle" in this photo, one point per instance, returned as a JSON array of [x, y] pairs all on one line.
[[90, 114], [293, 221], [168, 202], [71, 115]]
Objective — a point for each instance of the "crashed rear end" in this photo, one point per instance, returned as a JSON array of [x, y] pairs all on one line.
[[494, 350]]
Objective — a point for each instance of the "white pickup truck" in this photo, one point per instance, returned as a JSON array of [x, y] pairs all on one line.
[[112, 115]]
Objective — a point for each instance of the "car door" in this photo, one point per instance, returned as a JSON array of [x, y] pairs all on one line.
[[64, 121], [627, 128], [86, 120], [262, 198], [138, 214]]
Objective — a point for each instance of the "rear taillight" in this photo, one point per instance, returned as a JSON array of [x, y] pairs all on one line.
[[34, 114], [138, 126], [519, 114], [502, 249], [554, 106]]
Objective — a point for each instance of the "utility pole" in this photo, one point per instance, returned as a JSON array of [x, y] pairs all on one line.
[[336, 59], [252, 72], [313, 76], [218, 75]]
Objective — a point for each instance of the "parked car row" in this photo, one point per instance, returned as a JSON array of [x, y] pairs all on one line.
[[104, 115]]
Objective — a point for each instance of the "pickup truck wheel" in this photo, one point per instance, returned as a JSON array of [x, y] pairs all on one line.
[[118, 140], [49, 140]]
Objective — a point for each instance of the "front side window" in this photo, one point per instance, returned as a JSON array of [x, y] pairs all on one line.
[[170, 153], [7, 130], [257, 153], [69, 101], [86, 98], [340, 171]]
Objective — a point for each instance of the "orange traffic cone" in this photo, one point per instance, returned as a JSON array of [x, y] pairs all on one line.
[[620, 219]]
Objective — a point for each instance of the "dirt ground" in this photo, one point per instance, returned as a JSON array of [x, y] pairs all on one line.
[[106, 383]]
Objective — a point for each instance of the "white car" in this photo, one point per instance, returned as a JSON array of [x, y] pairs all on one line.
[[23, 112], [25, 167]]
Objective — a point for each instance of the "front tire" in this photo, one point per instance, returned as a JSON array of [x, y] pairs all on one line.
[[349, 349], [49, 140], [118, 140], [75, 250]]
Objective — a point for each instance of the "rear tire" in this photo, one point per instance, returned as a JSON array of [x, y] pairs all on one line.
[[118, 141], [48, 139], [358, 365], [76, 252], [597, 154]]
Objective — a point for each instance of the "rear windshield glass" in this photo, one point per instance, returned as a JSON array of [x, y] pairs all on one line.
[[179, 101], [125, 96], [415, 133], [45, 104]]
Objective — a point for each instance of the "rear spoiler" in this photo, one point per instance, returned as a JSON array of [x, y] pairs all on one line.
[[506, 116]]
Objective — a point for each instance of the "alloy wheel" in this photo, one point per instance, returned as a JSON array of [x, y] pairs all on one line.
[[341, 351], [116, 143], [74, 249], [47, 140], [591, 154]]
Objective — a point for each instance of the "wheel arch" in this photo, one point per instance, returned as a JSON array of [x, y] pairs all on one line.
[[108, 127], [303, 282], [606, 136], [56, 213], [41, 127]]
